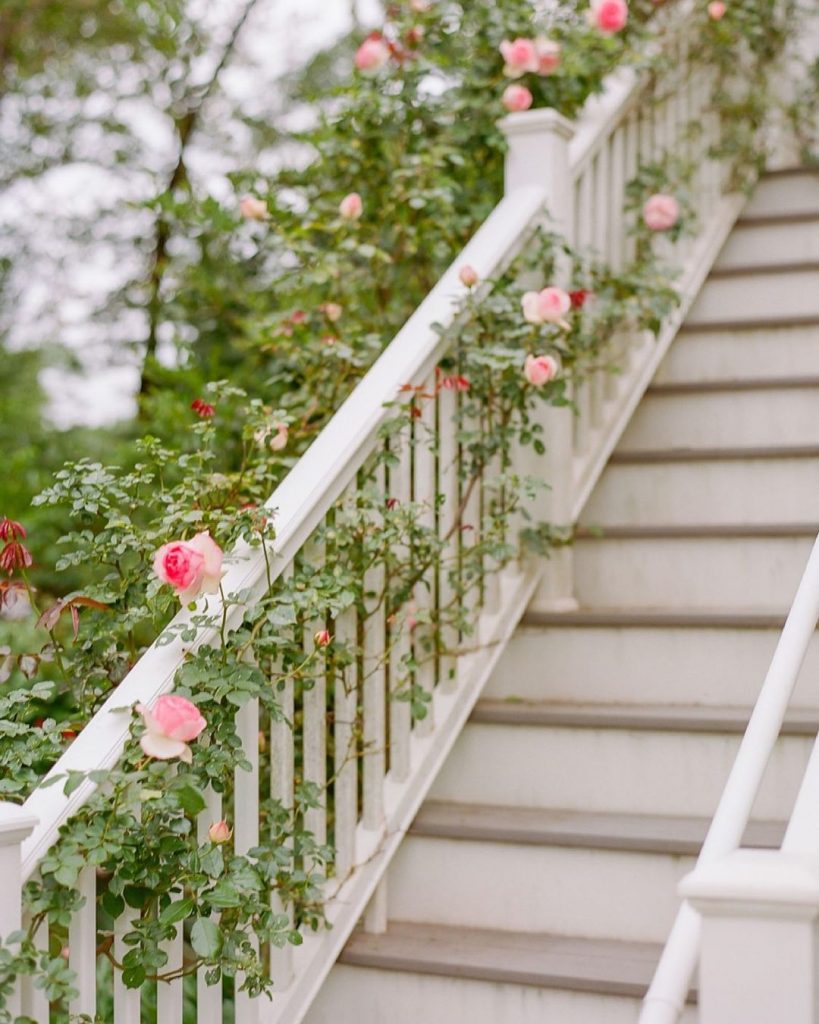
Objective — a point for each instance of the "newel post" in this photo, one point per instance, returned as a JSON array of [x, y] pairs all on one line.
[[538, 154], [16, 825], [759, 959]]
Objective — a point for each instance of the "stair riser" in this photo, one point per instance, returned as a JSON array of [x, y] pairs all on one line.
[[757, 296], [358, 995], [764, 245], [791, 193], [712, 667], [726, 419], [617, 770], [717, 493], [704, 573], [750, 355], [563, 891]]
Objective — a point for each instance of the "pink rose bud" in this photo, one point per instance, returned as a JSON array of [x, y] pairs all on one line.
[[716, 10], [661, 212], [372, 55], [170, 724], [420, 6], [609, 16], [548, 55], [280, 438], [192, 567], [252, 208], [517, 98], [322, 638], [539, 370], [220, 832], [351, 206], [468, 275], [332, 311], [520, 56], [547, 306]]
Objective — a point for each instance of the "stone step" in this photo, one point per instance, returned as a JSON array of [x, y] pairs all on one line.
[[718, 487], [441, 975], [673, 761], [767, 355], [691, 569], [655, 658]]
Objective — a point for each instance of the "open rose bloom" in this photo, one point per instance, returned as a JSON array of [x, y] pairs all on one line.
[[170, 725], [192, 567], [548, 306], [548, 55], [539, 370], [252, 208], [351, 207], [520, 56], [716, 10], [609, 16], [517, 98], [661, 212], [372, 55]]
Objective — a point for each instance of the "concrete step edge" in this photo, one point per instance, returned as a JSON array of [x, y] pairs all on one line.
[[643, 718], [600, 966], [528, 826]]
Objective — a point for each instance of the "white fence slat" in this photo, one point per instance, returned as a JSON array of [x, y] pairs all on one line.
[[315, 712], [169, 994], [127, 1001], [400, 642], [281, 788], [448, 489], [34, 1002], [82, 946], [246, 827], [424, 486], [345, 788], [208, 997], [602, 201], [373, 686]]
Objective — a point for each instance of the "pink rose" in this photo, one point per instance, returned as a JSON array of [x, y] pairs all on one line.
[[332, 311], [609, 16], [468, 276], [279, 439], [517, 98], [351, 206], [539, 370], [547, 306], [220, 832], [661, 212], [170, 724], [372, 55], [252, 208], [420, 6], [192, 567], [520, 56], [548, 55], [716, 10], [322, 638]]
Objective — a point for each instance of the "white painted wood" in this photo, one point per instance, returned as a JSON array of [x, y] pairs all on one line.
[[127, 1001], [766, 244], [16, 825], [373, 689], [798, 193], [548, 889], [375, 917], [314, 706], [726, 572], [345, 787], [169, 994], [208, 997], [491, 764], [281, 789], [246, 828], [400, 643], [424, 486], [758, 296], [82, 948], [448, 488]]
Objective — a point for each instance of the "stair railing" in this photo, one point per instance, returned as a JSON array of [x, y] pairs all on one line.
[[730, 883], [578, 173]]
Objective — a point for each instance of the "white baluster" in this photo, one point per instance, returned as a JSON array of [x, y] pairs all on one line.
[[315, 713], [448, 489], [346, 747], [34, 1000], [16, 824], [424, 492], [169, 994], [400, 643], [127, 1001], [82, 945], [603, 198], [246, 827], [208, 997], [373, 687]]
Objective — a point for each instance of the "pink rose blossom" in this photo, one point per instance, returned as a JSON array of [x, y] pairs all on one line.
[[322, 638], [520, 55], [517, 98], [332, 311], [468, 275], [548, 55], [351, 206], [372, 55], [280, 438], [716, 10], [252, 208], [220, 832], [539, 370], [547, 306], [170, 724], [661, 212], [420, 6], [192, 567], [609, 16]]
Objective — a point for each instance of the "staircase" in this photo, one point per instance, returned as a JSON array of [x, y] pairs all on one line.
[[539, 880]]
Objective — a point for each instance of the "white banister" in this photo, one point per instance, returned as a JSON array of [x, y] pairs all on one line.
[[16, 825]]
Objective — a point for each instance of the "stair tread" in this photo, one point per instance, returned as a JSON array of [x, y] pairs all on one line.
[[646, 833], [658, 618], [627, 531], [671, 717], [706, 454], [548, 961], [751, 323], [763, 269], [735, 384]]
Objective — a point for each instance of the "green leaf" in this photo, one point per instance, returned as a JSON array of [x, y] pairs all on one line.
[[133, 977], [191, 799], [178, 910], [206, 938]]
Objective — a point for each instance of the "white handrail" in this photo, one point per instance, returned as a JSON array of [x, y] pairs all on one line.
[[667, 994]]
